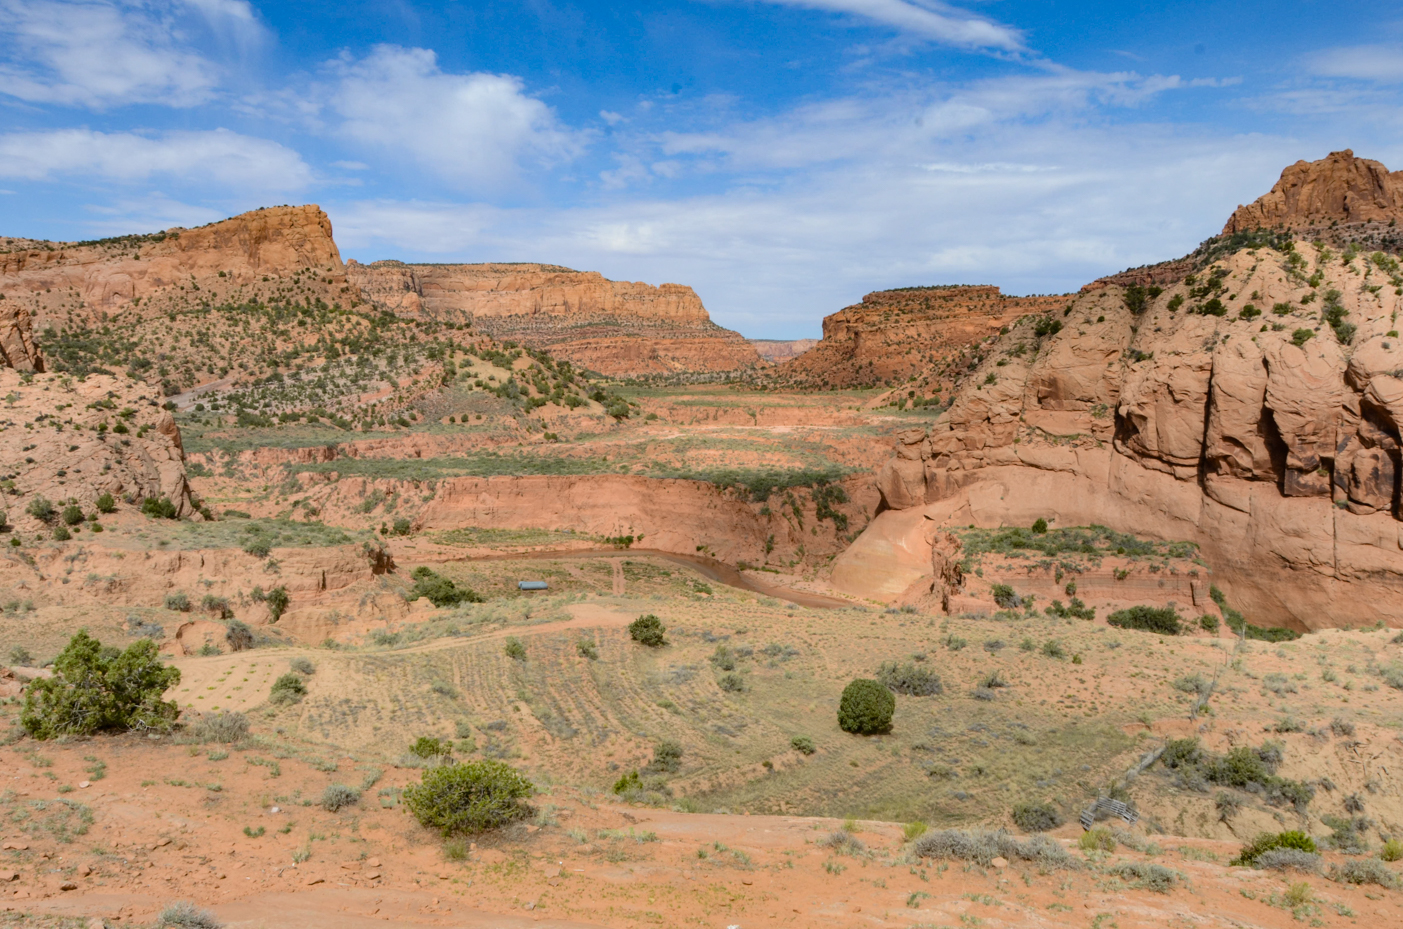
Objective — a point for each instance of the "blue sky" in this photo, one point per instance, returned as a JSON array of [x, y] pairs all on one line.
[[783, 157]]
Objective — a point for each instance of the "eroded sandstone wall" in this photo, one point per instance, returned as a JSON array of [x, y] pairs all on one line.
[[615, 327], [286, 250], [1266, 434]]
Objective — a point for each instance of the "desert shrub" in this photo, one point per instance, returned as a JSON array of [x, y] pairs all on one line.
[[992, 680], [302, 666], [276, 599], [1005, 597], [1341, 727], [72, 515], [158, 508], [1363, 871], [983, 847], [1278, 684], [866, 707], [21, 657], [1392, 850], [587, 649], [723, 658], [439, 590], [178, 602], [94, 689], [910, 679], [337, 797], [106, 503], [41, 509], [648, 630], [1193, 684], [61, 534], [1288, 859], [1208, 622], [1099, 839], [843, 842], [1036, 817], [238, 635], [287, 689], [469, 797], [1053, 649], [426, 747], [1160, 620], [1039, 526], [1147, 876], [667, 758], [731, 682], [185, 915], [803, 745], [258, 548], [628, 783], [514, 649], [1293, 839], [1347, 835], [913, 830], [225, 726], [219, 606]]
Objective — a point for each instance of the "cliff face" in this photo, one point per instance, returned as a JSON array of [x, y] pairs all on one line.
[[893, 334], [17, 349], [614, 327], [1253, 408], [1339, 188], [261, 253]]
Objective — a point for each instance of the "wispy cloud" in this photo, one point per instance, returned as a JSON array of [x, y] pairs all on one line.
[[925, 18], [1380, 63], [106, 53], [236, 162], [472, 129]]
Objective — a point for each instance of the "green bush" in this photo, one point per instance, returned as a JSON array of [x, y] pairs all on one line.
[[1266, 842], [258, 548], [302, 666], [667, 758], [277, 600], [158, 508], [72, 515], [469, 797], [185, 915], [95, 689], [238, 635], [426, 747], [866, 707], [106, 504], [731, 682], [648, 630], [439, 590], [1039, 526], [225, 726], [629, 782], [287, 689], [1160, 620], [1036, 817], [61, 534], [803, 745], [1005, 597], [514, 649], [41, 509]]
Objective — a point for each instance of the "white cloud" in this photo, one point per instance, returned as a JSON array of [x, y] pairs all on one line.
[[925, 18], [474, 130], [104, 53], [228, 159], [1380, 63]]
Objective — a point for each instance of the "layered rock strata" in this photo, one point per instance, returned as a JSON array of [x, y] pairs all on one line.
[[619, 328], [1254, 408], [894, 334], [283, 251]]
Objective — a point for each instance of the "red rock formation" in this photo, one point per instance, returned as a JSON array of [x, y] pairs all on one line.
[[776, 351], [614, 327], [17, 349], [248, 255], [893, 334], [1337, 188], [1265, 435]]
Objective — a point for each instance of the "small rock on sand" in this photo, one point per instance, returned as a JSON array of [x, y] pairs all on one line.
[[1000, 862]]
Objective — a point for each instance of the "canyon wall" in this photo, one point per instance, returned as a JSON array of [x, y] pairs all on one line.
[[617, 328], [1253, 408], [1337, 189], [286, 250], [893, 334]]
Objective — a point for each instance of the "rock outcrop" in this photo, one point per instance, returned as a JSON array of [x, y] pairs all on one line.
[[263, 253], [617, 328], [779, 350], [1254, 409], [893, 334], [1337, 189], [17, 349]]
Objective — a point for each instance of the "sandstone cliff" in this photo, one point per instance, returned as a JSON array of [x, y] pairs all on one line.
[[1254, 409], [778, 350], [17, 349], [893, 334], [614, 327], [1337, 189], [278, 251]]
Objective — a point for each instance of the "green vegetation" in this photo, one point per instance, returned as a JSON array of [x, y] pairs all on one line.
[[1243, 767], [1266, 842], [95, 689], [1239, 624], [287, 689], [1036, 817], [648, 630], [469, 797], [427, 747], [439, 590], [1090, 542], [1159, 620], [514, 649], [909, 678], [336, 797], [803, 745], [866, 707]]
